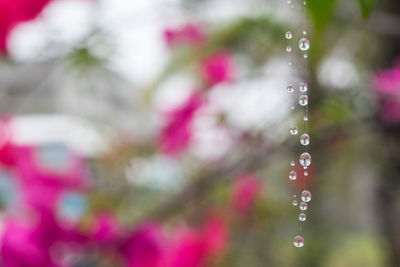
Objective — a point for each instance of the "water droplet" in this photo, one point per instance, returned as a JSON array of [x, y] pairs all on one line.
[[304, 3], [302, 217], [294, 130], [305, 159], [292, 163], [288, 35], [304, 32], [303, 100], [305, 118], [304, 139], [294, 202], [306, 196], [306, 173], [294, 195], [290, 88], [298, 241], [288, 1], [288, 48], [303, 206], [305, 55], [292, 175], [304, 44], [292, 108], [303, 87]]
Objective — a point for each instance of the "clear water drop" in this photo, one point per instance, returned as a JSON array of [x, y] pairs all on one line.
[[294, 202], [306, 196], [303, 100], [288, 49], [292, 163], [288, 35], [288, 1], [294, 130], [292, 107], [298, 241], [304, 44], [306, 173], [305, 55], [304, 32], [292, 175], [302, 217], [303, 206], [303, 87], [304, 3], [294, 195], [305, 118], [304, 139], [305, 159], [290, 88]]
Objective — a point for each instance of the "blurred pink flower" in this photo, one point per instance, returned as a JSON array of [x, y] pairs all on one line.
[[387, 85], [196, 248], [144, 247], [217, 68], [106, 230], [13, 12], [29, 242], [176, 135], [246, 189], [190, 34]]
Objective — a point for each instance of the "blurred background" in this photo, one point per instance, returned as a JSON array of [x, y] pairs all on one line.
[[156, 133]]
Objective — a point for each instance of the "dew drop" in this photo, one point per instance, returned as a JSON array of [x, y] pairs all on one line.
[[305, 118], [305, 55], [303, 206], [290, 88], [303, 100], [306, 173], [304, 32], [298, 241], [305, 159], [306, 196], [302, 217], [292, 163], [304, 44], [304, 139], [292, 108], [288, 48], [294, 202], [288, 35], [303, 87], [292, 175], [293, 130]]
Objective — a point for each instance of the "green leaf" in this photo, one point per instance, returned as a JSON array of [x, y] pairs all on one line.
[[321, 12], [366, 7]]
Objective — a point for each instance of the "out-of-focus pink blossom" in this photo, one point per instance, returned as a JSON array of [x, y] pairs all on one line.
[[13, 12], [176, 135], [196, 248], [106, 230], [217, 68], [387, 85], [144, 247], [29, 242], [246, 189], [189, 34]]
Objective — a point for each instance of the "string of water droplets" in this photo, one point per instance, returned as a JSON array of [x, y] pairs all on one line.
[[305, 157]]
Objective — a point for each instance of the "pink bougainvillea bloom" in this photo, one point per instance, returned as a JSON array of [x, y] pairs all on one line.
[[217, 68], [29, 242], [14, 12], [189, 34], [195, 248], [144, 247], [246, 189], [387, 85], [176, 135]]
